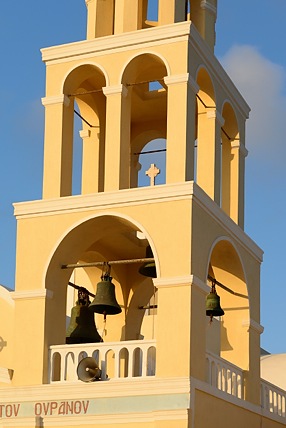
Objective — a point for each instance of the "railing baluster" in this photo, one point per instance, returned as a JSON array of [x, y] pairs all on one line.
[[70, 355]]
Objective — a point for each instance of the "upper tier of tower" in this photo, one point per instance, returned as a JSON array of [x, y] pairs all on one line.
[[107, 17]]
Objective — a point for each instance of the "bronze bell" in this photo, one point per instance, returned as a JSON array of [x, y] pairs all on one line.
[[82, 328], [148, 268], [104, 301], [213, 308]]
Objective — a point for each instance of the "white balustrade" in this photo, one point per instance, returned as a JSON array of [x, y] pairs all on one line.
[[225, 376], [273, 399], [128, 359]]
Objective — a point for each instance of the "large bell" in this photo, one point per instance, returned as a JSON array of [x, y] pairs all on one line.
[[213, 308], [148, 268], [105, 301], [82, 328]]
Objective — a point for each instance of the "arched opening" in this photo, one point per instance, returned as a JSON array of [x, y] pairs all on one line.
[[231, 174], [83, 87], [208, 148], [229, 338], [103, 238], [144, 78]]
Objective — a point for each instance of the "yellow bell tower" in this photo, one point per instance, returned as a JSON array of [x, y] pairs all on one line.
[[162, 360]]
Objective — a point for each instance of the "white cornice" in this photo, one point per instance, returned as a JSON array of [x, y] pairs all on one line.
[[102, 45], [129, 197], [113, 388]]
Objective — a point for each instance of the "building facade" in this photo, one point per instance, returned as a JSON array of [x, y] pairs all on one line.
[[162, 361]]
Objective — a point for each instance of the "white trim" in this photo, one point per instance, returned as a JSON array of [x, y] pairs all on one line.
[[56, 99], [114, 90], [182, 78], [5, 375], [187, 280], [172, 281], [103, 45], [215, 114], [238, 145], [139, 196], [251, 324], [32, 294], [208, 6], [200, 285], [84, 133]]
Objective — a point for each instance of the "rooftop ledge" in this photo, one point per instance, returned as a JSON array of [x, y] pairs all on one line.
[[188, 190]]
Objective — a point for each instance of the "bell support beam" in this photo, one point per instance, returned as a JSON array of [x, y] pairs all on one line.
[[112, 262]]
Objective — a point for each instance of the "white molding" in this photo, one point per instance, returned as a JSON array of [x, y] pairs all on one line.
[[139, 196], [103, 45], [113, 388], [208, 6], [32, 294], [215, 114], [172, 281], [241, 147], [4, 376], [84, 133], [56, 99], [115, 90], [187, 280], [253, 325], [182, 78], [200, 285]]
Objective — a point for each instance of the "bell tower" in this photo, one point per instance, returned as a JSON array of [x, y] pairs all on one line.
[[133, 81]]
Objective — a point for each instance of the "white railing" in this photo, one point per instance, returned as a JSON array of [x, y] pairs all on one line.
[[128, 359], [273, 398], [225, 376]]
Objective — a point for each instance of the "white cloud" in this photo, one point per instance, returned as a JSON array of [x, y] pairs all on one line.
[[261, 82]]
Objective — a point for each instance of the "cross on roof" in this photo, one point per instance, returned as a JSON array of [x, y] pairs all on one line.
[[152, 172]]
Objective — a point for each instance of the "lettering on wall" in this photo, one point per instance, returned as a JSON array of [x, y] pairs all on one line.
[[45, 408]]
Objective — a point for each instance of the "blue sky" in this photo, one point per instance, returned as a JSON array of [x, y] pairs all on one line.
[[251, 46]]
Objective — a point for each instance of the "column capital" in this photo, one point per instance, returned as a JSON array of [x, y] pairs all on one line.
[[56, 99], [253, 325], [241, 147], [215, 114], [84, 133], [182, 78], [187, 280], [115, 89]]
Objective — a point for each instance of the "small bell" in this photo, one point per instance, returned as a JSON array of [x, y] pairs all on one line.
[[213, 308], [105, 301], [148, 268], [82, 328]]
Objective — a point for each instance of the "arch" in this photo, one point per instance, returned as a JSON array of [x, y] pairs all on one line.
[[99, 237], [144, 75], [136, 56], [232, 188], [77, 75], [226, 267], [208, 164], [83, 87]]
